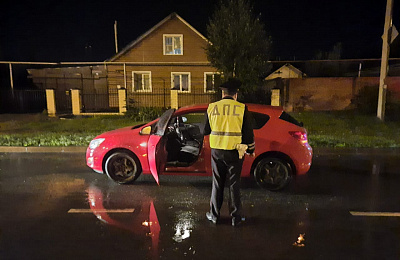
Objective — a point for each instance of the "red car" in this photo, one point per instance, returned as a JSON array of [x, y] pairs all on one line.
[[175, 144]]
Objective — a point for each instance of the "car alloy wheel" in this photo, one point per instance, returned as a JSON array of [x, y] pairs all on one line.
[[122, 167], [273, 173]]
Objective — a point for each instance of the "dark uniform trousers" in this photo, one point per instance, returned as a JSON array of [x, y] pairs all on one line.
[[226, 165]]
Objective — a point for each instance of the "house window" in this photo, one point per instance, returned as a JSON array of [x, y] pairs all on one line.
[[141, 81], [212, 81], [173, 44], [180, 81]]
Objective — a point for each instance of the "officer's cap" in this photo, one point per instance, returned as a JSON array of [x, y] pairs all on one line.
[[231, 85]]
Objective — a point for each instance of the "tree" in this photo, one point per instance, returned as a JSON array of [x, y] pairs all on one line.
[[330, 67], [238, 44], [334, 54]]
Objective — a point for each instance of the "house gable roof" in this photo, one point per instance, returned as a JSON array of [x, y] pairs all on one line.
[[154, 28], [287, 66]]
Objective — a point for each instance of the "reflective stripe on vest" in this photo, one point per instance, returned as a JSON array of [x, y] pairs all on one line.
[[226, 120]]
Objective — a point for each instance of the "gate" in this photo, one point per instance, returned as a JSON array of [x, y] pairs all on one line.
[[63, 101]]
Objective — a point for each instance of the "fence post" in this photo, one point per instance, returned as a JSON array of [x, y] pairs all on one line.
[[51, 102], [122, 100], [174, 98], [276, 97], [76, 101]]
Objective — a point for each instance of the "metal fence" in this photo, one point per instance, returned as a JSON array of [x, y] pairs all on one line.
[[99, 102], [22, 101], [98, 85], [63, 101], [160, 94]]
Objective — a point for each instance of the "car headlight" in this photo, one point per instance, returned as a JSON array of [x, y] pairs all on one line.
[[95, 143]]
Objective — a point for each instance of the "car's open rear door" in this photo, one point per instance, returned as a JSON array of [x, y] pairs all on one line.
[[157, 153]]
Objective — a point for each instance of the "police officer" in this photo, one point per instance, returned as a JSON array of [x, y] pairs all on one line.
[[229, 126]]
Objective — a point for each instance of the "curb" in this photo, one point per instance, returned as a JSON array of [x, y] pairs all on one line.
[[82, 149], [355, 151], [42, 149]]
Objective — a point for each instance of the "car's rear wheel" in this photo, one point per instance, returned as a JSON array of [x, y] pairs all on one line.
[[122, 167], [273, 173]]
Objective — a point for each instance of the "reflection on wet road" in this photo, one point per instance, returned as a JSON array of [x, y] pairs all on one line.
[[53, 206]]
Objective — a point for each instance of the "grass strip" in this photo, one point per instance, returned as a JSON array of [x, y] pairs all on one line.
[[325, 129]]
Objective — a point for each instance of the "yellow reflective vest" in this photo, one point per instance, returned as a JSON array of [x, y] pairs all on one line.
[[226, 120]]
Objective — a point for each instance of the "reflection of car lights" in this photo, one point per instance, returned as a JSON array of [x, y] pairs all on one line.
[[184, 227], [146, 223], [144, 144]]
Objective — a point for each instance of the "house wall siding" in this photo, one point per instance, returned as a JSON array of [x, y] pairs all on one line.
[[161, 84], [150, 49]]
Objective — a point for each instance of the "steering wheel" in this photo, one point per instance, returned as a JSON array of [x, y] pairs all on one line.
[[178, 131]]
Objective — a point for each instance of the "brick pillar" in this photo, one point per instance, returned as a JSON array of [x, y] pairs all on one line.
[[276, 97], [51, 102], [174, 99], [122, 100], [76, 101]]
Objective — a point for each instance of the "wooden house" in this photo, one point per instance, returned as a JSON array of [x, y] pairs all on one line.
[[169, 56]]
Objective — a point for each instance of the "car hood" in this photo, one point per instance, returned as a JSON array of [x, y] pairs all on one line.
[[120, 131]]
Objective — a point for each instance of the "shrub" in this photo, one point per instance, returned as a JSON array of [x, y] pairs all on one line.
[[366, 102], [144, 113]]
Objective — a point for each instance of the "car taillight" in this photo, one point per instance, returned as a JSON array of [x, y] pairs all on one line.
[[299, 135]]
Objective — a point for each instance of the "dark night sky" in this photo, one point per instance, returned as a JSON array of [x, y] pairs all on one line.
[[60, 30]]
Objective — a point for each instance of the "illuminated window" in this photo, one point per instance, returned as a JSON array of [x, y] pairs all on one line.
[[173, 44], [180, 81], [212, 81], [141, 81]]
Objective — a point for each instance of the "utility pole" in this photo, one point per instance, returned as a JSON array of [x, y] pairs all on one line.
[[116, 37], [387, 38], [11, 78]]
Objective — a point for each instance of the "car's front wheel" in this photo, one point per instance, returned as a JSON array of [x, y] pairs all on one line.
[[122, 167], [273, 173]]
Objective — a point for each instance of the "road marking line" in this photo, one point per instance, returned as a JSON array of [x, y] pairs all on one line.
[[101, 210], [375, 214]]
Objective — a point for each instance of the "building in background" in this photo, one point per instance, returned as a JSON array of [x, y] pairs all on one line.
[[168, 57]]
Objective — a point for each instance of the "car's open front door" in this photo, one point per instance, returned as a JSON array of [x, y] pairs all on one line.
[[157, 153]]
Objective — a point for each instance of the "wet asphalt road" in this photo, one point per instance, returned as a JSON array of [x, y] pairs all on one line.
[[54, 207]]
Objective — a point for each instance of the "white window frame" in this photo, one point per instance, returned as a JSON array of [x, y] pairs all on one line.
[[143, 73], [180, 83], [205, 81], [173, 35]]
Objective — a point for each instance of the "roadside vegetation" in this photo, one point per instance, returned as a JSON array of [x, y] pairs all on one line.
[[349, 129], [325, 129], [41, 130]]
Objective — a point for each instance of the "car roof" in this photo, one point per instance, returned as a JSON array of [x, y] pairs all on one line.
[[259, 108]]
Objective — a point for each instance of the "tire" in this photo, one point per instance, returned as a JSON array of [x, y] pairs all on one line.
[[122, 167], [273, 173]]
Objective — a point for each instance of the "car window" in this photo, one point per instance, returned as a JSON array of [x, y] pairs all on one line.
[[197, 119], [259, 120], [194, 118], [162, 123], [288, 118]]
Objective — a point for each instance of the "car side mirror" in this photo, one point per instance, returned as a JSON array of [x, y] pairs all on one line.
[[145, 130]]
